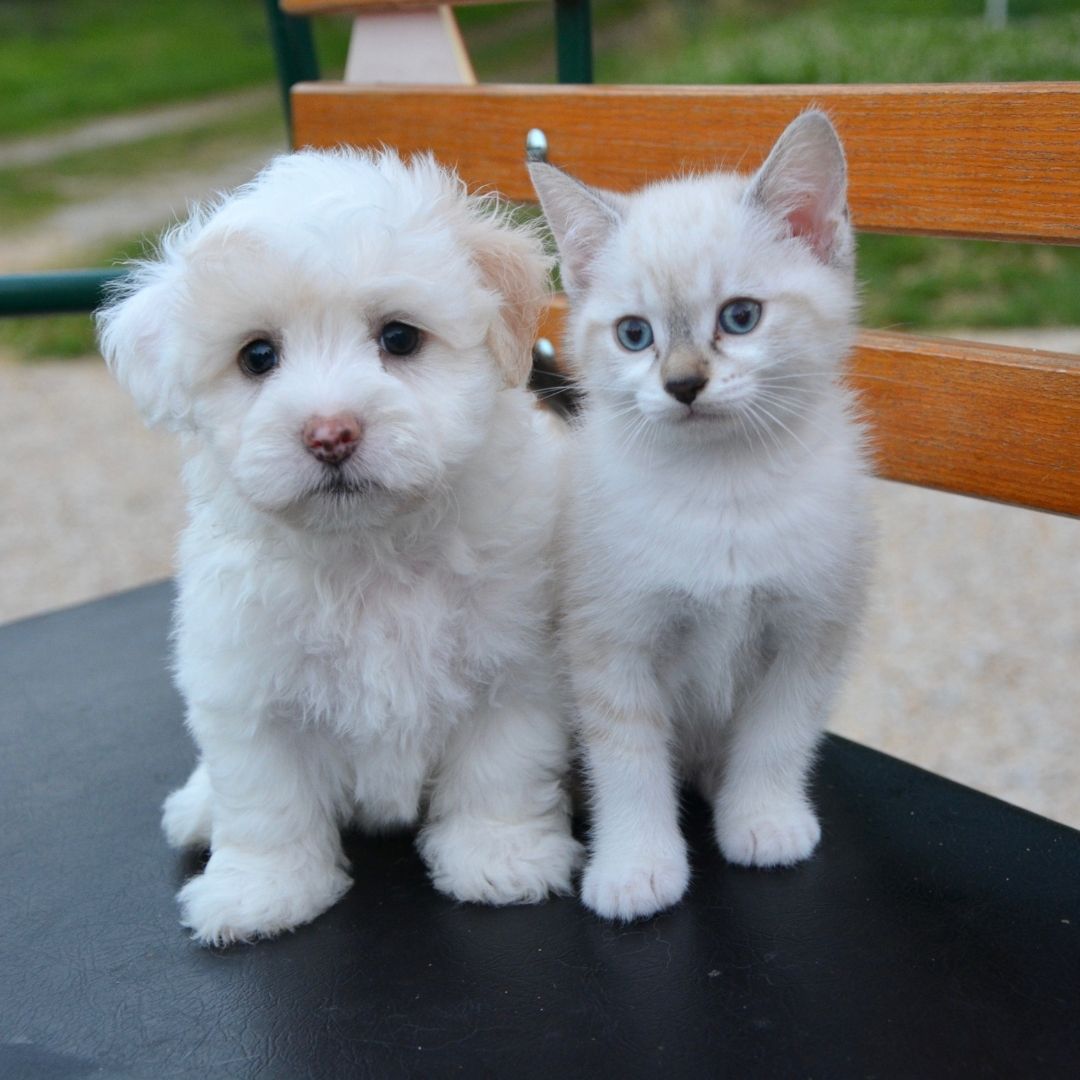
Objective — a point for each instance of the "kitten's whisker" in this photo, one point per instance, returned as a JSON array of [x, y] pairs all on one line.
[[777, 420], [792, 376], [803, 415], [759, 425], [829, 374], [807, 391], [748, 428], [848, 376], [631, 432]]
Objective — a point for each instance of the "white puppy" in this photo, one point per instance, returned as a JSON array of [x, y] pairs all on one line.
[[363, 617]]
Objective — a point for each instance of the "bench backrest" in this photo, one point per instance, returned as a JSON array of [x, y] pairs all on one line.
[[998, 161]]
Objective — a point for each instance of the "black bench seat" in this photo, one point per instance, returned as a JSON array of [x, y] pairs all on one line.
[[936, 932]]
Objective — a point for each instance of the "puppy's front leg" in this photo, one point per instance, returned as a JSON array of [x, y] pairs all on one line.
[[276, 860], [499, 822]]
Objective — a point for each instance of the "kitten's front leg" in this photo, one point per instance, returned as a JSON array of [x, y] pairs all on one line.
[[638, 862], [763, 814], [498, 830], [276, 860]]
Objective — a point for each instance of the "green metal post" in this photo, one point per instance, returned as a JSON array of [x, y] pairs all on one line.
[[294, 53], [56, 292], [573, 41]]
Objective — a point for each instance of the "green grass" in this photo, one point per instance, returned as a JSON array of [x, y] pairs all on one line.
[[66, 61], [920, 283], [63, 62], [842, 41]]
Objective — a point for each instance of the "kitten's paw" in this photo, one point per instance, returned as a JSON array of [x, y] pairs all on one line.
[[187, 813], [241, 897], [635, 888], [494, 863], [779, 836]]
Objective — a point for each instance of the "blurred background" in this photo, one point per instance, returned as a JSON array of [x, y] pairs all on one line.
[[114, 117]]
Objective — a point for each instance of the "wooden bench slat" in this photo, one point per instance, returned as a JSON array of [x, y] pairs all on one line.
[[991, 421], [997, 161]]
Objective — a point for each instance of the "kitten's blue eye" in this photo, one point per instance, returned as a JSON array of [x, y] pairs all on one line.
[[399, 339], [739, 316], [258, 357], [633, 333]]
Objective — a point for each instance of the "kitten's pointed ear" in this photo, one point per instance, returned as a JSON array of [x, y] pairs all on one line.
[[581, 219], [804, 183]]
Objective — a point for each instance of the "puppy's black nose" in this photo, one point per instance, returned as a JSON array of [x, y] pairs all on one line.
[[332, 439], [685, 390]]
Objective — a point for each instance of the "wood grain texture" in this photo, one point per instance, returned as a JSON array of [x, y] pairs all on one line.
[[319, 7], [984, 420], [997, 161], [1000, 423]]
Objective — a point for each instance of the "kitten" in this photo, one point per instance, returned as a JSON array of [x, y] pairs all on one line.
[[716, 538]]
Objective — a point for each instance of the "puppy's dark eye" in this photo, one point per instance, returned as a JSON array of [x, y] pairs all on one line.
[[739, 316], [399, 339], [633, 333], [258, 357]]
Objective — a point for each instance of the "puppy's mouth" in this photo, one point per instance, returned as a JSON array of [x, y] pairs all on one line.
[[338, 485]]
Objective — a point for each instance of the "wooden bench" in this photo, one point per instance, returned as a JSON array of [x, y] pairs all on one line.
[[959, 160], [935, 933]]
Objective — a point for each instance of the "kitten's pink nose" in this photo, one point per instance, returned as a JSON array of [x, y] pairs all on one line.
[[332, 439]]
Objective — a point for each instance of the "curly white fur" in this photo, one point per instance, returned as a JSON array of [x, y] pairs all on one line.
[[376, 651]]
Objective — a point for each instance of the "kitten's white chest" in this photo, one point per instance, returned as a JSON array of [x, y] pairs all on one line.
[[690, 539], [705, 526]]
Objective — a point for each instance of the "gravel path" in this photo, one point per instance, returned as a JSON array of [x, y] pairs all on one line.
[[969, 664], [131, 127]]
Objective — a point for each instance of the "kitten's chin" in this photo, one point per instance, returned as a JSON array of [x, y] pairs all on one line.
[[712, 421]]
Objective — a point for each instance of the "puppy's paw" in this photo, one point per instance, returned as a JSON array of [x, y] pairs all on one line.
[[241, 896], [778, 836], [490, 862], [187, 813], [634, 887]]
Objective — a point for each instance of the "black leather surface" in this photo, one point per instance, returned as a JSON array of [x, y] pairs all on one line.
[[935, 934]]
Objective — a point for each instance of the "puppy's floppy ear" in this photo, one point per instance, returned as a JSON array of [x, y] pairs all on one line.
[[803, 184], [135, 339], [514, 265]]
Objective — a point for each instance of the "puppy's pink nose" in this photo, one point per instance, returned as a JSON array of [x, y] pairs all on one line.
[[332, 439]]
